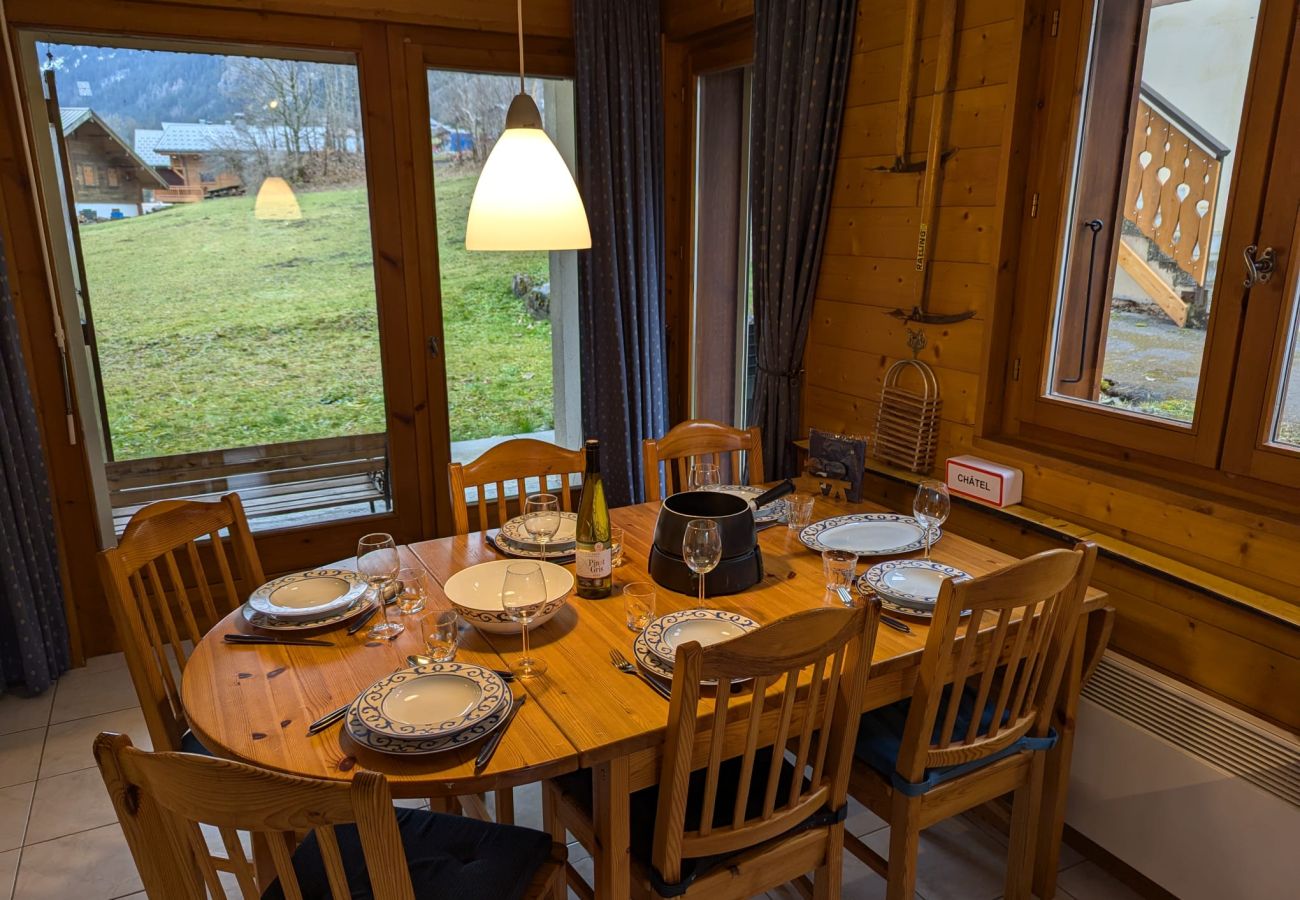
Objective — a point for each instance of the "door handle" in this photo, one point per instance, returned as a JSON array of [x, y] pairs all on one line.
[[1259, 268]]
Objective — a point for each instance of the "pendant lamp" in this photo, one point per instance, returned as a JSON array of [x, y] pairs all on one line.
[[525, 198]]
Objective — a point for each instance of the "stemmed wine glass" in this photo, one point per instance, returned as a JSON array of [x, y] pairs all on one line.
[[522, 596], [704, 475], [378, 562], [931, 507], [542, 518], [702, 549]]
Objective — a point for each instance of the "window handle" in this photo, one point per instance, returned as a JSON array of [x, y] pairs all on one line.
[[1259, 268]]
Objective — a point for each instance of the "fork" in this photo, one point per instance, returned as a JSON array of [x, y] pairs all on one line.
[[620, 662]]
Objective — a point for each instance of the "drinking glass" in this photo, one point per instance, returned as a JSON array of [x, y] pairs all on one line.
[[378, 562], [615, 546], [839, 567], [931, 507], [702, 549], [542, 518], [798, 510], [441, 632], [411, 591], [704, 475], [522, 596], [639, 604]]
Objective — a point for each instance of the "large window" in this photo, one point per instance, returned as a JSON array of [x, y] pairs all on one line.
[[1160, 152], [224, 272]]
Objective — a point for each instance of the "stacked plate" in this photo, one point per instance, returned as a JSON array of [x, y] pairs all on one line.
[[909, 586], [428, 709], [513, 539], [868, 534], [307, 600], [772, 512], [656, 647]]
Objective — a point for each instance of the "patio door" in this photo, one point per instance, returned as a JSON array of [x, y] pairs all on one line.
[[245, 339], [502, 335]]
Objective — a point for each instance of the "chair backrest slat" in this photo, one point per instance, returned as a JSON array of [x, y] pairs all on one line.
[[162, 600], [666, 461], [809, 673], [163, 799], [1033, 607], [507, 468]]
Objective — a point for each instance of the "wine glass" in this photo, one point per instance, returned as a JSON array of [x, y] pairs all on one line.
[[522, 596], [702, 549], [378, 562], [704, 475], [542, 518], [931, 507]]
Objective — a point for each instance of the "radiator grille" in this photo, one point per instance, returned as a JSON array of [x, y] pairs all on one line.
[[1178, 716]]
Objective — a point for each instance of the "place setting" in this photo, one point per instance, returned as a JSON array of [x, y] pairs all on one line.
[[318, 599], [543, 532]]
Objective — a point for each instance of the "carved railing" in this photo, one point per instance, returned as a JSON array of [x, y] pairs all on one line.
[[1173, 183]]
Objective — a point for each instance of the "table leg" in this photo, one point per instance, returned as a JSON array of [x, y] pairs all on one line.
[[611, 857], [1056, 780]]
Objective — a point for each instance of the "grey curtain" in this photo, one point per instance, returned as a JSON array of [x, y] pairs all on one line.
[[33, 629], [802, 51], [621, 176]]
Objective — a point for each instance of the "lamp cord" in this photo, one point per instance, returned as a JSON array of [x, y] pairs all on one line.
[[519, 11]]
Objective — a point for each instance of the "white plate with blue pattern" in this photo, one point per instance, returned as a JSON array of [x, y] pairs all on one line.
[[433, 700], [706, 626], [397, 746], [309, 595], [913, 583], [868, 534], [659, 668]]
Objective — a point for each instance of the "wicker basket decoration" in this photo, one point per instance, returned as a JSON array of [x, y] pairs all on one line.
[[907, 427]]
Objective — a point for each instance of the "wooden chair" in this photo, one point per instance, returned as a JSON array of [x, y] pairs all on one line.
[[513, 462], [163, 600], [354, 835], [974, 731], [700, 439], [731, 816]]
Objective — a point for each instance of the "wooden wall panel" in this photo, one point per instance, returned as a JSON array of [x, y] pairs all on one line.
[[1245, 649]]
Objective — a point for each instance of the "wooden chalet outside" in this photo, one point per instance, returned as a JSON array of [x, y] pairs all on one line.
[[109, 179]]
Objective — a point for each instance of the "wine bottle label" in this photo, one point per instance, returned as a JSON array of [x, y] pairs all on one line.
[[594, 563]]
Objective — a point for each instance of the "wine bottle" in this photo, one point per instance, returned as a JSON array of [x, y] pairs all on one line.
[[592, 556]]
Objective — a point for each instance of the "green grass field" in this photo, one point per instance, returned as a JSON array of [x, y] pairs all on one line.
[[218, 330]]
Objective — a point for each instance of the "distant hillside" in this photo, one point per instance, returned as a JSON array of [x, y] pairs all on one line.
[[140, 88]]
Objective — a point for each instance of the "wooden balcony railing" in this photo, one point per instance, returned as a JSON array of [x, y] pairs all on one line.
[[1173, 183]]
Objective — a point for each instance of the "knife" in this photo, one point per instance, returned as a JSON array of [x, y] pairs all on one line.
[[363, 621], [261, 639], [328, 719], [847, 599], [485, 755]]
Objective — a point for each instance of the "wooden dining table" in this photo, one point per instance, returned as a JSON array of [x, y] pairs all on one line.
[[253, 703]]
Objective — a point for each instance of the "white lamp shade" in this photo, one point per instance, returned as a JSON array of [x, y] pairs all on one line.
[[525, 198]]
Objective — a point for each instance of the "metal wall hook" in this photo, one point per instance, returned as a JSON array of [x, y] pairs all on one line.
[[1259, 269]]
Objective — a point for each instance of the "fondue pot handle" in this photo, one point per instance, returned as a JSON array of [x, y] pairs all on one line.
[[776, 493]]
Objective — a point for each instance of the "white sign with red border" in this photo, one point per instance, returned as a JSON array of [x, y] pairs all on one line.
[[979, 479]]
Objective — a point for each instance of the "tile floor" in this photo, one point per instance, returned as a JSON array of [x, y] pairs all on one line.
[[59, 838]]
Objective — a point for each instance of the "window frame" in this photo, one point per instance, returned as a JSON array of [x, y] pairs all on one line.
[[1050, 136]]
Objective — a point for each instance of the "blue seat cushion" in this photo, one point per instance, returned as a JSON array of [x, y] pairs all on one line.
[[449, 857], [880, 735], [645, 805], [190, 744]]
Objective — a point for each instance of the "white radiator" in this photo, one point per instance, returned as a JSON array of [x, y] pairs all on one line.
[[1202, 799]]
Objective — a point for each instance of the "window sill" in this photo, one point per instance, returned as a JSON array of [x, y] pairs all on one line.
[[1243, 597]]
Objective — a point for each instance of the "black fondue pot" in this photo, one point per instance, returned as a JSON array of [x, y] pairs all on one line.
[[742, 561]]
